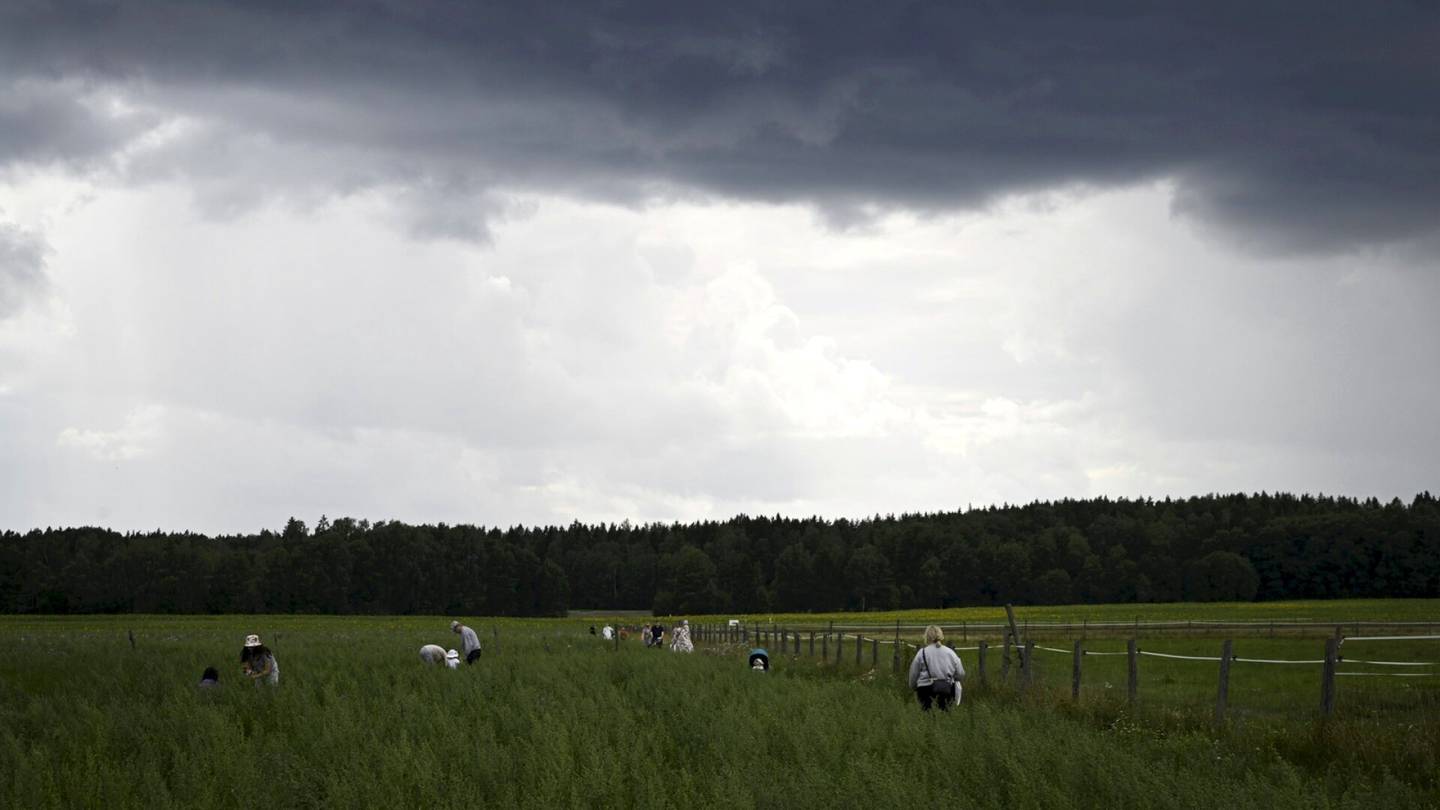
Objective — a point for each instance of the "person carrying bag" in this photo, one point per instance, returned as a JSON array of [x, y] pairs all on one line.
[[936, 672]]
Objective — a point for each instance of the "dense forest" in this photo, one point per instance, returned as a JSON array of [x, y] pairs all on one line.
[[1218, 547]]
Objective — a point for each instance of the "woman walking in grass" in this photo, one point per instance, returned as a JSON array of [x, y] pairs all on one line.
[[680, 638], [257, 662], [936, 672]]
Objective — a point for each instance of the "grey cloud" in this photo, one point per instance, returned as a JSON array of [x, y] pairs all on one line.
[[22, 267], [1288, 126]]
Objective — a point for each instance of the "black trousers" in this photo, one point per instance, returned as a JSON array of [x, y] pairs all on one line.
[[472, 657], [927, 698]]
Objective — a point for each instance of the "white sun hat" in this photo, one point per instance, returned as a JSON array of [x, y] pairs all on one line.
[[252, 640], [454, 625], [452, 655]]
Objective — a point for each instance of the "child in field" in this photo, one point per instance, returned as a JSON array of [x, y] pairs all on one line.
[[452, 659], [257, 662], [645, 635]]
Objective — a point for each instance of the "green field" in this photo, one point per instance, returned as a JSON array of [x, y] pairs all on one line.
[[553, 717], [1425, 611]]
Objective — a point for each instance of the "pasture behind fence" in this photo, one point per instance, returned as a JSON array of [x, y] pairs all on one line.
[[1263, 672]]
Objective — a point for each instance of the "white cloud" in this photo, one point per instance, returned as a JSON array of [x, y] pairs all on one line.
[[137, 436], [685, 360]]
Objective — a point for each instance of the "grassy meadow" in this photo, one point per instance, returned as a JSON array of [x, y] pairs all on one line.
[[551, 716]]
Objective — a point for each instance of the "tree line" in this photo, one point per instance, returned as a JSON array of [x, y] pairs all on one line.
[[1216, 547]]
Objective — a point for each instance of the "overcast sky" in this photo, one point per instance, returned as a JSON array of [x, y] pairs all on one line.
[[498, 264]]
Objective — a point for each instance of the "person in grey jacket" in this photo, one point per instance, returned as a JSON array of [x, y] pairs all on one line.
[[936, 664], [469, 642]]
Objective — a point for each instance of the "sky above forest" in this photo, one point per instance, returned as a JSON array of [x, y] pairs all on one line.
[[534, 263]]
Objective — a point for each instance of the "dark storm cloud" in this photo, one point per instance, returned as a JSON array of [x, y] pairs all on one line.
[[1292, 126]]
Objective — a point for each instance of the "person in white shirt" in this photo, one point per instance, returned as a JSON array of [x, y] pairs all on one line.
[[452, 659], [469, 642], [680, 638], [936, 672], [432, 654], [607, 632]]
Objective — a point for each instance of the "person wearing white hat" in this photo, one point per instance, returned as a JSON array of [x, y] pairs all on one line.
[[257, 662], [452, 659], [469, 642]]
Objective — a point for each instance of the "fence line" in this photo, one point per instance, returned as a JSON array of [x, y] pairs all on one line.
[[1172, 624], [1388, 663], [1390, 638], [1017, 641], [1183, 657]]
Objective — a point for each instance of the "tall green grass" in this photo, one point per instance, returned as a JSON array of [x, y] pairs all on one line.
[[555, 717]]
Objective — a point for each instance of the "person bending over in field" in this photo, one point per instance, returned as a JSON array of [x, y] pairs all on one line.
[[257, 662], [432, 654], [469, 642], [210, 678], [936, 672]]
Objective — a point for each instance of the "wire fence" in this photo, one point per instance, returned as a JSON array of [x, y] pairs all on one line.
[[1397, 673]]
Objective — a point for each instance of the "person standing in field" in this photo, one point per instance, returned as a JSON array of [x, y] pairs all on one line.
[[645, 635], [469, 642], [257, 662], [936, 672], [680, 638], [432, 654], [607, 632]]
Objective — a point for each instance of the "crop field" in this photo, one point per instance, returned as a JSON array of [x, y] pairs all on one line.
[[551, 716]]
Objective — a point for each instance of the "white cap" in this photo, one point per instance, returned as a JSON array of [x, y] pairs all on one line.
[[452, 655], [252, 640], [454, 625]]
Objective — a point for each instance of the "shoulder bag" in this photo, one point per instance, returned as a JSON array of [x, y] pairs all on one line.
[[940, 687]]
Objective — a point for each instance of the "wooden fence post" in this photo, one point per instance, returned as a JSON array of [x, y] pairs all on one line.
[[825, 647], [874, 652], [797, 642], [1132, 686], [895, 659], [1026, 670], [1223, 695], [839, 647], [859, 644], [1075, 671], [1005, 661], [984, 648], [812, 643], [1327, 679]]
